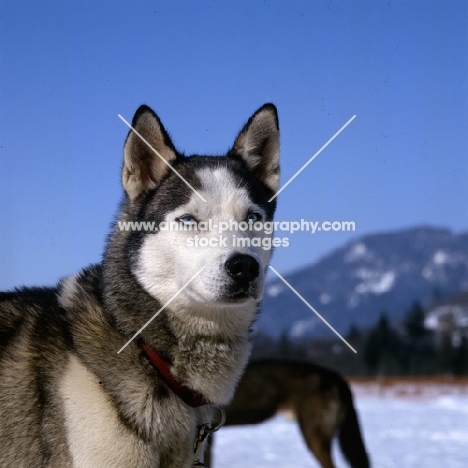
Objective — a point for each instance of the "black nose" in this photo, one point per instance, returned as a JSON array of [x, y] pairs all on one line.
[[243, 268]]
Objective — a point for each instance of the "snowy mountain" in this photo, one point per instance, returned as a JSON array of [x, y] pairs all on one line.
[[375, 273]]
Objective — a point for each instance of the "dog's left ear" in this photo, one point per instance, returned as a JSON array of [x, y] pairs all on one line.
[[259, 146], [148, 151]]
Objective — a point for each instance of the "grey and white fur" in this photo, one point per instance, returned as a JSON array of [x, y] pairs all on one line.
[[67, 398]]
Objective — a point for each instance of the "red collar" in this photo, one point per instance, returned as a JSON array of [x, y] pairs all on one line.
[[186, 394]]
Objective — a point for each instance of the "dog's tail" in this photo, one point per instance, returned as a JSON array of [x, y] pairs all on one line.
[[351, 441]]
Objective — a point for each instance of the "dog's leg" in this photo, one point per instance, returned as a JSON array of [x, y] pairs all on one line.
[[317, 434], [319, 444]]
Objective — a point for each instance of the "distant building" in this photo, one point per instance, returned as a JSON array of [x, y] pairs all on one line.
[[449, 318]]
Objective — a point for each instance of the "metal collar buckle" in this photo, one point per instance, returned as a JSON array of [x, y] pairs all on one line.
[[203, 432]]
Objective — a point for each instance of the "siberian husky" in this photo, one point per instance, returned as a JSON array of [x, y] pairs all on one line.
[[82, 383]]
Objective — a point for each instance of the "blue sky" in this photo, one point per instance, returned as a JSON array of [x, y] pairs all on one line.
[[68, 69]]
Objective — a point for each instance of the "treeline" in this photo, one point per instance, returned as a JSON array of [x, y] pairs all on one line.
[[408, 349]]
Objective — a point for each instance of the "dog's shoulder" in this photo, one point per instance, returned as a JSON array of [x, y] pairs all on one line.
[[38, 319], [22, 309]]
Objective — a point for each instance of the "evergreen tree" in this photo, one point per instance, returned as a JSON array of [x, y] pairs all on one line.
[[419, 352], [381, 349], [354, 334], [285, 346], [460, 358]]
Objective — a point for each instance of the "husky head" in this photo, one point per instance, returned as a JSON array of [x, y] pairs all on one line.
[[193, 243]]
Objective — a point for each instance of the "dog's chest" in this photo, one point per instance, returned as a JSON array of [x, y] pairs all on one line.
[[95, 435]]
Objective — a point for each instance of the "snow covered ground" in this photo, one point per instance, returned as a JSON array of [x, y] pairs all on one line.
[[427, 430]]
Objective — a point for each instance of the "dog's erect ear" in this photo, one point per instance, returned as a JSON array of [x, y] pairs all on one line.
[[258, 144], [143, 169]]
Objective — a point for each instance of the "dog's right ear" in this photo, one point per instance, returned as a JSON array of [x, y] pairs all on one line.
[[148, 150], [259, 146]]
